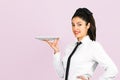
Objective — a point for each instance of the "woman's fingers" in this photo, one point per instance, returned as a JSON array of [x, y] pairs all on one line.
[[53, 44], [82, 78], [47, 42], [56, 41]]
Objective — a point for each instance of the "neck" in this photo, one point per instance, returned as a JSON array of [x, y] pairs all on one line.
[[80, 38]]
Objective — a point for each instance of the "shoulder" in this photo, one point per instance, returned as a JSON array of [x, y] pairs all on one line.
[[98, 48], [96, 44]]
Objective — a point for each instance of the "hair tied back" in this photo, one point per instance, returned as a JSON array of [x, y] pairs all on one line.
[[87, 11]]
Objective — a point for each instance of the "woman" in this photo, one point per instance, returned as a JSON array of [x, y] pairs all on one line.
[[80, 62]]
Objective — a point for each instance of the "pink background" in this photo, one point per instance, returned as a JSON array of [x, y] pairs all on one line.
[[22, 57]]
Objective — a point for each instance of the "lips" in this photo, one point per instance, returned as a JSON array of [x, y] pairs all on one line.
[[76, 32]]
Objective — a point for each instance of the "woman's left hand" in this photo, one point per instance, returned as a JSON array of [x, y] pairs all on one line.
[[82, 78]]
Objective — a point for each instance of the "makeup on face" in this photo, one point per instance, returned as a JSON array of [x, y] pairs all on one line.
[[79, 27]]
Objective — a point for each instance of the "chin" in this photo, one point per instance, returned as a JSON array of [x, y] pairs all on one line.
[[77, 36]]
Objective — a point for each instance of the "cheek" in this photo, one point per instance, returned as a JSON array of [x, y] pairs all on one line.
[[84, 30], [72, 28]]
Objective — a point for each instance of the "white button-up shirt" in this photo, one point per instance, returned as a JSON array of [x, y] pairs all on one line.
[[85, 60]]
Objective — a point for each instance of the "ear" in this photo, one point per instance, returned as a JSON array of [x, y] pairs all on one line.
[[88, 25]]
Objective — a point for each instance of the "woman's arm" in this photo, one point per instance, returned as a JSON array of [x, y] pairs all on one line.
[[103, 59], [58, 64]]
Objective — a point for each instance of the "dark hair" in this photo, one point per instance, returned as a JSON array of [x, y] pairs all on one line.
[[87, 16]]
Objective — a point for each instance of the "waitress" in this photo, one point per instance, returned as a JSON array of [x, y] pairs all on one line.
[[82, 57]]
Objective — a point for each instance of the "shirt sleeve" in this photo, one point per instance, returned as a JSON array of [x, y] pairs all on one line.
[[58, 64], [105, 61]]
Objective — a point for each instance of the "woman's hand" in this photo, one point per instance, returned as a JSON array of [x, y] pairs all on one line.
[[53, 44], [82, 78]]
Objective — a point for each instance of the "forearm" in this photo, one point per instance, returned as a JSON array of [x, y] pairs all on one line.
[[58, 65]]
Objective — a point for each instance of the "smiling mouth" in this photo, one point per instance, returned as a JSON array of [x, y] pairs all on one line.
[[76, 32]]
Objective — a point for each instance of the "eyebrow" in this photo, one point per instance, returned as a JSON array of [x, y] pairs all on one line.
[[77, 22]]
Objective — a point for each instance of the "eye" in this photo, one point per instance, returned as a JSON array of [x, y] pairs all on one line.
[[79, 24], [73, 25]]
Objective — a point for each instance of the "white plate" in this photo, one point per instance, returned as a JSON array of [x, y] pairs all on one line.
[[46, 38]]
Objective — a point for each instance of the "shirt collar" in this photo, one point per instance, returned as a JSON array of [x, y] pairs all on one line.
[[85, 39]]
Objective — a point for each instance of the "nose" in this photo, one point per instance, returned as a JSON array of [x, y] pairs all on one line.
[[75, 28]]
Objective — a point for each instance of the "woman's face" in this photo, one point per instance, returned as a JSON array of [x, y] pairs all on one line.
[[79, 27]]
